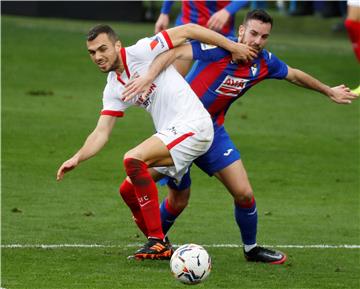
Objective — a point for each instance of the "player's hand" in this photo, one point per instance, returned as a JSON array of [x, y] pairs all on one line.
[[66, 167], [342, 94], [243, 53], [162, 23], [218, 20], [134, 87]]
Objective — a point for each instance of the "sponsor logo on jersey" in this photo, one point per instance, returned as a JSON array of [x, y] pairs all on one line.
[[155, 41], [254, 69], [231, 86], [153, 44], [205, 46], [145, 100]]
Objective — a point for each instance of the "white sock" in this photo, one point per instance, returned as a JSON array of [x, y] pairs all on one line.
[[247, 248]]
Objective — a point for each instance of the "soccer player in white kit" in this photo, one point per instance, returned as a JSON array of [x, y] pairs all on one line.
[[184, 129]]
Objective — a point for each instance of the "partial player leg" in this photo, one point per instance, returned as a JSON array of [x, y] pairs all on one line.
[[151, 151], [185, 142], [352, 24], [127, 192], [235, 179], [175, 202]]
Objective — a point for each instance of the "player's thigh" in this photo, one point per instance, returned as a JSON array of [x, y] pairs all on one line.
[[157, 176], [235, 179], [152, 151]]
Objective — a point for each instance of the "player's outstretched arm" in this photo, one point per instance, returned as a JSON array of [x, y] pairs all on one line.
[[141, 84], [93, 144], [339, 94], [240, 52]]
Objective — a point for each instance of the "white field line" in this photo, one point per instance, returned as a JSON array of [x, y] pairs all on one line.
[[60, 246]]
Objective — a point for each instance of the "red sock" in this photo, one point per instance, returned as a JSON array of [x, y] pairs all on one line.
[[353, 28], [127, 192], [147, 194]]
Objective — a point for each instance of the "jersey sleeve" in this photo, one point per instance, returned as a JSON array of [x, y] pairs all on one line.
[[207, 52], [147, 49], [166, 6], [112, 104], [277, 68], [235, 6]]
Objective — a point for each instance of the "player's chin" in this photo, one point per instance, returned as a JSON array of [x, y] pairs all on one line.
[[104, 69], [257, 47]]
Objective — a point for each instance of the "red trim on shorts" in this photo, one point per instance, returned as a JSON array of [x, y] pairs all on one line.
[[179, 140], [123, 58], [112, 113], [167, 38]]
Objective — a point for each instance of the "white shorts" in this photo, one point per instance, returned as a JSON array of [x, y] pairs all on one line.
[[185, 142]]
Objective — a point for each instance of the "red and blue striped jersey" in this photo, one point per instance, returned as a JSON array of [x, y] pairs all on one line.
[[218, 81], [199, 12]]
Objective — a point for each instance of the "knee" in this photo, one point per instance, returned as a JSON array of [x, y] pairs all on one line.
[[179, 200], [133, 166], [133, 154], [180, 204], [243, 198]]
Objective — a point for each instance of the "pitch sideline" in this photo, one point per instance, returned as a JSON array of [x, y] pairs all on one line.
[[60, 246]]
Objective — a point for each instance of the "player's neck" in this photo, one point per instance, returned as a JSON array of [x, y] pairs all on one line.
[[121, 67]]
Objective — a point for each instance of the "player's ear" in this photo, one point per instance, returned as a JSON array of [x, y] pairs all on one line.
[[118, 44], [241, 31]]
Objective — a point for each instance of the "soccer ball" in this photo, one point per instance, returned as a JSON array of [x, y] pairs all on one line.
[[190, 264]]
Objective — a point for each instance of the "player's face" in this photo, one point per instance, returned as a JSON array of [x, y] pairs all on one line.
[[255, 33], [104, 52]]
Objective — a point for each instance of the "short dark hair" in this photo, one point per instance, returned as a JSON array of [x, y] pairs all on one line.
[[258, 14], [102, 28]]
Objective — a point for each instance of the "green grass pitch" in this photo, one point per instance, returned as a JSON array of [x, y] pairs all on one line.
[[301, 152]]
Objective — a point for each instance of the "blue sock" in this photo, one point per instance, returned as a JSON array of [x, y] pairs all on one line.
[[246, 218], [168, 216]]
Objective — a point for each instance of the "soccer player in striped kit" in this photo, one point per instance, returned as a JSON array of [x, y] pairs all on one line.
[[216, 15], [352, 24], [184, 128], [218, 82]]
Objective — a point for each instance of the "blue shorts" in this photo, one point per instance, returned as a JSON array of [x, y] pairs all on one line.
[[220, 155]]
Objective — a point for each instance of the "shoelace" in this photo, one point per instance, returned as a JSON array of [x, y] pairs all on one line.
[[157, 247]]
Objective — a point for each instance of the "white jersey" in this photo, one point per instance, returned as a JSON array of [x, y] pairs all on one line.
[[170, 97], [355, 3]]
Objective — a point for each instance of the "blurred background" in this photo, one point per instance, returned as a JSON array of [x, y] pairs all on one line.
[[141, 11]]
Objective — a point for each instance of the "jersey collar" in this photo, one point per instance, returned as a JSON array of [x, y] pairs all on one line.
[[122, 53]]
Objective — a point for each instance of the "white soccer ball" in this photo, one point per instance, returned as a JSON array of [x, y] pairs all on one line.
[[190, 264]]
